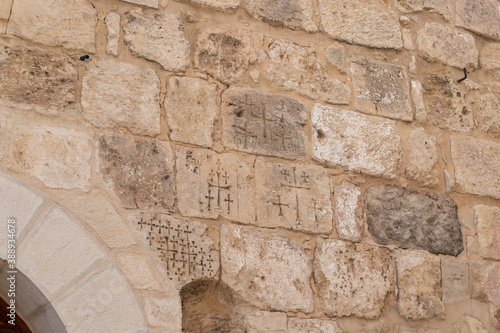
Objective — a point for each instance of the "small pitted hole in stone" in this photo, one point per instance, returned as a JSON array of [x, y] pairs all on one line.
[[238, 112], [85, 57], [320, 134]]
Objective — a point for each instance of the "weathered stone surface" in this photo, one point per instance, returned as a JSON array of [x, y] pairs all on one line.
[[477, 166], [419, 285], [157, 37], [455, 284], [473, 325], [367, 144], [295, 15], [118, 94], [36, 79], [225, 54], [212, 185], [165, 312], [352, 279], [349, 219], [479, 16], [295, 67], [112, 21], [360, 23], [335, 55], [265, 321], [412, 220], [487, 221], [489, 59], [266, 268], [484, 277], [67, 23], [418, 101], [191, 108], [259, 122], [422, 158], [293, 196], [148, 3], [5, 6], [413, 6], [487, 114], [296, 325], [226, 6], [407, 39], [138, 170], [381, 89], [437, 42], [137, 271]]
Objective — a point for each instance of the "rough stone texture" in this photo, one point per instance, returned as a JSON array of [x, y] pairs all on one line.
[[5, 6], [422, 158], [225, 54], [381, 89], [293, 196], [295, 67], [226, 6], [137, 271], [479, 16], [349, 219], [419, 285], [296, 325], [335, 55], [455, 280], [191, 108], [266, 269], [67, 23], [413, 6], [487, 114], [360, 23], [418, 101], [477, 166], [352, 279], [157, 37], [264, 321], [259, 122], [489, 59], [437, 42], [112, 21], [484, 277], [367, 144], [295, 14], [165, 312], [473, 325], [36, 79], [487, 221], [148, 3], [138, 170], [212, 185], [407, 39], [118, 94], [412, 220]]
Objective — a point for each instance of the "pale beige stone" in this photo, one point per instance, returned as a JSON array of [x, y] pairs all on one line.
[[165, 312], [148, 3], [413, 6], [266, 268], [118, 94], [5, 6], [477, 166], [210, 185], [455, 280], [422, 158], [473, 325], [335, 54], [296, 325], [137, 271], [484, 277], [357, 22], [487, 222], [407, 39], [264, 321], [296, 68], [449, 181], [437, 42], [67, 23], [158, 37], [487, 114], [489, 59], [349, 219], [352, 279], [191, 108], [419, 285], [367, 144], [112, 21], [293, 196], [225, 6], [479, 16], [418, 101]]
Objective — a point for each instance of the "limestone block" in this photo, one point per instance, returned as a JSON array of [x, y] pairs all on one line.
[[148, 3], [212, 185], [412, 220], [112, 21], [349, 219], [296, 325], [418, 101], [407, 39], [484, 277], [381, 89], [102, 302], [225, 54], [477, 166], [455, 281], [487, 114], [118, 94], [67, 23], [265, 321], [360, 23], [413, 6], [191, 108], [138, 170], [258, 122], [165, 312], [293, 196], [295, 15], [157, 37], [437, 42], [137, 271], [487, 221], [421, 158], [58, 252], [419, 285], [489, 59], [473, 325], [352, 279], [5, 6], [479, 16], [367, 144], [335, 55], [266, 268], [296, 68], [225, 6]]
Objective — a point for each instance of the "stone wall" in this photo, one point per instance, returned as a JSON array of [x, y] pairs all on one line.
[[258, 165]]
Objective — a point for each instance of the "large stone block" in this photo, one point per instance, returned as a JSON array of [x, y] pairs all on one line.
[[349, 218], [296, 325], [226, 6], [477, 166], [266, 268], [254, 121], [293, 196], [484, 277], [455, 280], [489, 59], [265, 321], [412, 220], [367, 144], [413, 6], [295, 67], [421, 158], [118, 94], [165, 312], [487, 221], [136, 269], [112, 21], [479, 16], [352, 279], [487, 114]]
